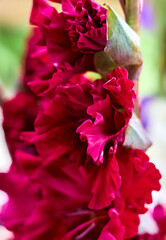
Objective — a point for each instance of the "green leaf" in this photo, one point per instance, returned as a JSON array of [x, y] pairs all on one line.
[[104, 63], [136, 137], [123, 44]]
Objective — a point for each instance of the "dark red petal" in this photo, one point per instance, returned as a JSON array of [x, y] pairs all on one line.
[[93, 40], [113, 229], [105, 182], [139, 178]]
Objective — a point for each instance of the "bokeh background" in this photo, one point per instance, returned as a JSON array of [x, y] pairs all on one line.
[[14, 30]]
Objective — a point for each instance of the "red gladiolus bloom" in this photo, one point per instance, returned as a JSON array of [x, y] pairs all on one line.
[[53, 200], [80, 31], [86, 24], [100, 112]]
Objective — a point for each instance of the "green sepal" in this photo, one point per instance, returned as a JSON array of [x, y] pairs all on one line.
[[135, 135], [123, 44], [104, 63]]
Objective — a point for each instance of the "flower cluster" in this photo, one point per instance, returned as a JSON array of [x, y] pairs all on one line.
[[72, 177]]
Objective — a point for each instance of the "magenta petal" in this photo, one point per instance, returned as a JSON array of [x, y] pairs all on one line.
[[113, 229], [41, 226], [19, 115], [118, 73], [41, 12], [66, 183], [159, 216], [97, 133], [21, 193], [57, 1], [38, 86], [130, 219], [139, 178], [96, 142], [28, 163], [120, 90], [68, 7], [59, 47], [93, 40], [56, 125], [105, 182]]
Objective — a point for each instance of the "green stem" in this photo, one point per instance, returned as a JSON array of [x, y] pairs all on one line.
[[132, 12], [132, 9]]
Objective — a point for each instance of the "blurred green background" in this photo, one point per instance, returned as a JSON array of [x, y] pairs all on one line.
[[11, 47]]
